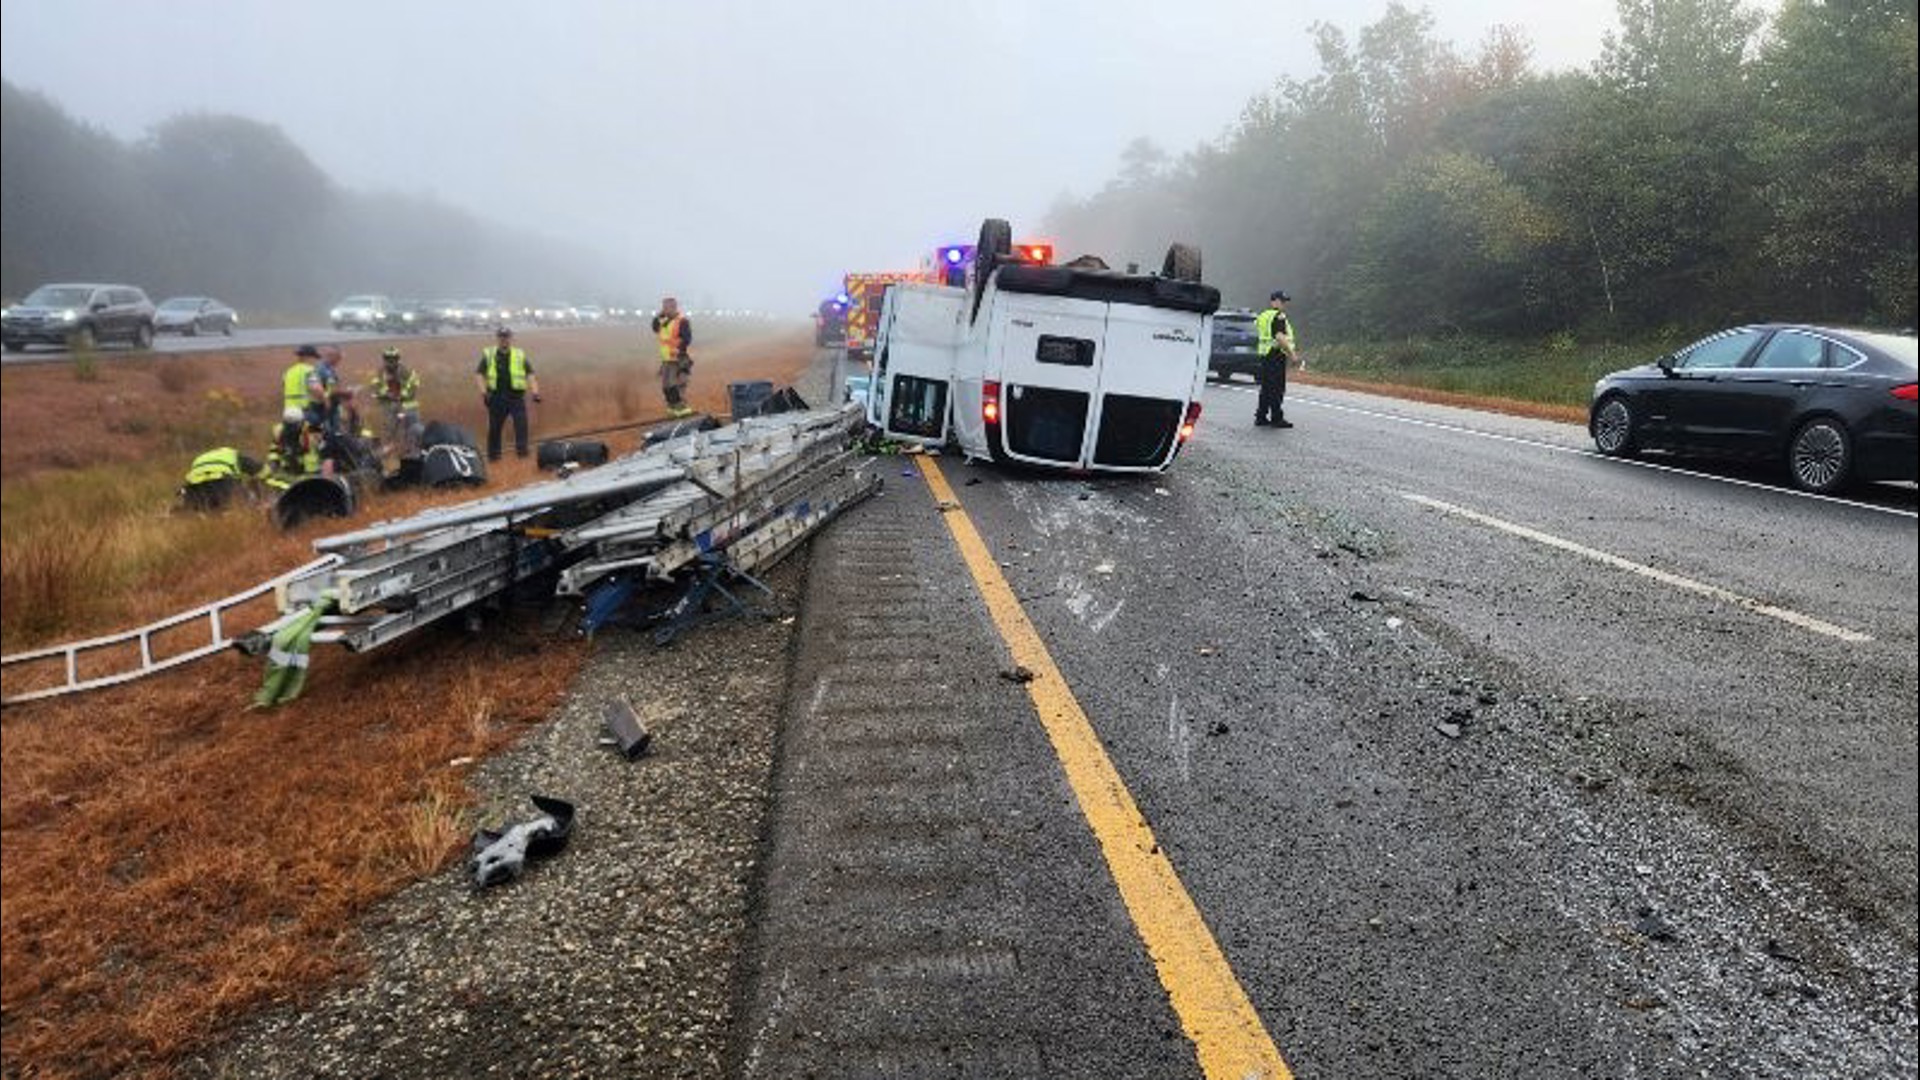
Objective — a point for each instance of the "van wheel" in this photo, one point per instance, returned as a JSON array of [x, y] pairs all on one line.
[[996, 242], [1183, 263]]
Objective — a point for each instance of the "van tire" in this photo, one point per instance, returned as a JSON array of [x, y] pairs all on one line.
[[996, 243], [1183, 263]]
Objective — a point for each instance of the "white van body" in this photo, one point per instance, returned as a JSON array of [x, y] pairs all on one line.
[[1085, 370]]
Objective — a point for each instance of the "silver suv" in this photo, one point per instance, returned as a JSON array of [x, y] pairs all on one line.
[[79, 317]]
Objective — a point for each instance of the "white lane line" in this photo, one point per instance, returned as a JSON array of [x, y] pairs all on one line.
[[1804, 622], [1594, 454]]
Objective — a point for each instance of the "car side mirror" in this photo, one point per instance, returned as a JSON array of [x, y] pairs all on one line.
[[97, 305], [1666, 365]]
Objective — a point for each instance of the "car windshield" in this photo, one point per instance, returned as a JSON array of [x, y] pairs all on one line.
[[182, 303], [1899, 346], [58, 296], [362, 301]]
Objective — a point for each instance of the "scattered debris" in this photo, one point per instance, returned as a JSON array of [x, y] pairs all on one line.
[[1218, 728], [629, 734], [1104, 568], [1650, 925], [1365, 598], [1161, 491], [971, 480], [1448, 728], [1780, 952], [946, 504], [1394, 622], [500, 855], [1017, 674], [1207, 650]]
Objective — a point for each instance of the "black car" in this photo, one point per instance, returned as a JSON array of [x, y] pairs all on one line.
[[412, 317], [1833, 405], [1236, 345]]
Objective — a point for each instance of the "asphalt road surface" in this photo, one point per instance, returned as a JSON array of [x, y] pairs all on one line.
[[1476, 755]]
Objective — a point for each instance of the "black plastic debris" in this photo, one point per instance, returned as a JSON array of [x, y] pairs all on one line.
[[1650, 925], [500, 855], [1017, 674], [623, 723]]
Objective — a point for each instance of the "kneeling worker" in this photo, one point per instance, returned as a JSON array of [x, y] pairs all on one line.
[[216, 476]]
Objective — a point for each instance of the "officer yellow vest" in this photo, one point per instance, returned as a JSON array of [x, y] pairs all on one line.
[[293, 386], [219, 464], [670, 339], [516, 368], [1264, 324]]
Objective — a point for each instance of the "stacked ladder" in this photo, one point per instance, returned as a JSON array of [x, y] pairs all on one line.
[[685, 511]]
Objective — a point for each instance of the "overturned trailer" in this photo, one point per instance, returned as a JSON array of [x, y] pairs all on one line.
[[692, 512]]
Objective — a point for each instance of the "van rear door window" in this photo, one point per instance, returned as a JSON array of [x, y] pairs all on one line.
[[1073, 352]]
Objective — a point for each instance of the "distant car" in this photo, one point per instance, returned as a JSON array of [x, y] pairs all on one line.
[[448, 310], [552, 313], [590, 313], [78, 316], [1833, 405], [413, 317], [361, 313], [483, 313], [1236, 345], [194, 315]]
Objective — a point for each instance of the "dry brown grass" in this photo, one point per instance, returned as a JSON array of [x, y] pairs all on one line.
[[173, 861]]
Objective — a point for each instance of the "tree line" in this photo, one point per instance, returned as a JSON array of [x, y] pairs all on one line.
[[1712, 166], [212, 204]]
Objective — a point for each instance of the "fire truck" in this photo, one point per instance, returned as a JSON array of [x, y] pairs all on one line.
[[949, 265]]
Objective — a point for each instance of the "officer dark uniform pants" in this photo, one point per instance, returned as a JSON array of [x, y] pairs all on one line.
[[1273, 389], [502, 404]]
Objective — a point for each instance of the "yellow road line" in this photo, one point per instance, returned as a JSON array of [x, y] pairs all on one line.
[[1227, 1034]]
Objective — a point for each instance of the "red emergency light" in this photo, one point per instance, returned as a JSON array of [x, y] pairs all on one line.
[[1037, 254]]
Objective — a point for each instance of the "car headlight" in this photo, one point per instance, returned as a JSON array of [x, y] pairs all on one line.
[[336, 314], [67, 315]]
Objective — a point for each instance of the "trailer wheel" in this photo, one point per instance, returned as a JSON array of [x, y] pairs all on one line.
[[1183, 263], [996, 243]]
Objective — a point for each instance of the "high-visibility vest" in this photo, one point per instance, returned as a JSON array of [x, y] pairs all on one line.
[[293, 386], [670, 339], [516, 367], [219, 464], [399, 385], [1264, 321]]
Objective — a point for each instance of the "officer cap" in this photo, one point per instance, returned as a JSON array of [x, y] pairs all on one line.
[[1280, 295], [307, 350]]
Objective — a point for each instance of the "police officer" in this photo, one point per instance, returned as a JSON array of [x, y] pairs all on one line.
[[506, 378], [1277, 350], [293, 384]]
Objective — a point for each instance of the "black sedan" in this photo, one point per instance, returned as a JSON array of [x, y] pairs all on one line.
[[1833, 405], [192, 315]]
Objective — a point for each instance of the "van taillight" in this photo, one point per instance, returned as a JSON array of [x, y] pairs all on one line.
[[990, 402], [1187, 425], [1906, 391]]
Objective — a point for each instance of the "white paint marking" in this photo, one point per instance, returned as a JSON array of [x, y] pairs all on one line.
[[1180, 734], [1804, 622], [1597, 456]]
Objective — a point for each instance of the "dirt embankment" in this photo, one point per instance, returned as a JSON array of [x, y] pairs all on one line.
[[175, 863]]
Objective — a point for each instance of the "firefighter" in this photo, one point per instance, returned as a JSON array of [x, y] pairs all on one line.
[[506, 378], [397, 389], [296, 448], [1277, 350], [218, 475], [675, 333]]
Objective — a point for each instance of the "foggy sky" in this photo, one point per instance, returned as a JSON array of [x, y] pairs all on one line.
[[739, 154]]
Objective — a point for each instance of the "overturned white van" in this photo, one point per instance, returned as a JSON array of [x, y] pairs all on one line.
[[1047, 366]]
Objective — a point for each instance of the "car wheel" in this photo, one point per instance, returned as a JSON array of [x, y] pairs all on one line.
[[1820, 456], [81, 339], [227, 328], [1613, 427], [996, 242], [16, 346], [143, 336], [1182, 263], [193, 328]]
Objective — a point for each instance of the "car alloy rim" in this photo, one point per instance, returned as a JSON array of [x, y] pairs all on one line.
[[1610, 429], [1817, 456]]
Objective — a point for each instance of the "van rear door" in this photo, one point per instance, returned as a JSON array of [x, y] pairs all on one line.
[[1050, 350], [1154, 364], [911, 393]]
